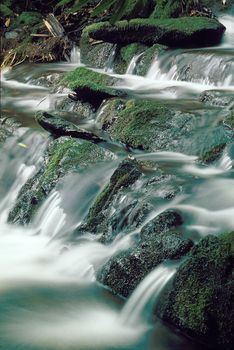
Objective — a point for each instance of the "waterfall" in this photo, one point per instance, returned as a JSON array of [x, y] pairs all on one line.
[[133, 63], [140, 305], [75, 55]]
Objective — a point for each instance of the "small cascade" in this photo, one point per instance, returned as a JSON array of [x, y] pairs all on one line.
[[110, 61], [75, 55], [50, 219], [28, 148], [194, 66], [133, 63], [141, 303]]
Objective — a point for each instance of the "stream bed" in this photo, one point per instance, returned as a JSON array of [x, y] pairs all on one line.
[[49, 294]]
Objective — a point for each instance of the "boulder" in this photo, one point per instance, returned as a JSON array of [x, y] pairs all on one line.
[[200, 301], [175, 32], [59, 126], [63, 156], [158, 240], [91, 86], [151, 125]]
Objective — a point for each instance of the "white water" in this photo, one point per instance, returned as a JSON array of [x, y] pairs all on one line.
[[141, 302], [48, 290]]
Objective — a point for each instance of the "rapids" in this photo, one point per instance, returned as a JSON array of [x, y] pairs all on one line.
[[49, 296]]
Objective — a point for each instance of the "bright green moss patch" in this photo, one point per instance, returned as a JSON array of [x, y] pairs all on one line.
[[202, 292], [136, 122], [177, 32], [91, 86]]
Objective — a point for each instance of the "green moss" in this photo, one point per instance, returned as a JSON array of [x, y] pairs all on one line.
[[167, 9], [29, 18], [184, 31], [5, 10], [91, 86], [129, 51], [148, 57], [63, 156], [135, 122], [124, 176], [200, 301], [83, 77]]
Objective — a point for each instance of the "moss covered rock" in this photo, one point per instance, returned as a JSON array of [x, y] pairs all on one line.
[[150, 125], [124, 176], [200, 301], [91, 86], [160, 239], [178, 32], [63, 156]]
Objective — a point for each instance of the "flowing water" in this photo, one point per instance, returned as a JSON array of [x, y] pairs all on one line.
[[49, 296]]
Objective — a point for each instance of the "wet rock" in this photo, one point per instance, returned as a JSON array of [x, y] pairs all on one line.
[[229, 120], [59, 126], [83, 109], [150, 125], [158, 240], [7, 128], [91, 86], [95, 53], [63, 156], [147, 58], [181, 32], [11, 35], [124, 176], [200, 299], [217, 98]]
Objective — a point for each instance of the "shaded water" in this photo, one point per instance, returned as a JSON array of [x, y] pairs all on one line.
[[49, 296]]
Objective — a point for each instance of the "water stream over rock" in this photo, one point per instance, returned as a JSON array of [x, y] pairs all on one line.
[[50, 294]]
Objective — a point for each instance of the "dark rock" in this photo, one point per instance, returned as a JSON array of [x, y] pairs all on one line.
[[160, 239], [64, 155], [58, 127], [178, 32], [201, 297]]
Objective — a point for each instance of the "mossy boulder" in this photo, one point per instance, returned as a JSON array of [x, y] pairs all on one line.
[[151, 125], [64, 155], [58, 126], [91, 86], [229, 120], [158, 240], [201, 297], [176, 32]]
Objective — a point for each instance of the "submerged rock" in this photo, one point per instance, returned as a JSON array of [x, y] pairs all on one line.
[[201, 297], [63, 156], [158, 240], [7, 128], [151, 125], [59, 126], [91, 86], [178, 32]]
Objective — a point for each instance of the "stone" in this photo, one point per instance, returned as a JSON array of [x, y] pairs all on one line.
[[200, 299], [175, 32]]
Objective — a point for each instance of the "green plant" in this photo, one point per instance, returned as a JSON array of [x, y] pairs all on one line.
[[117, 8]]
